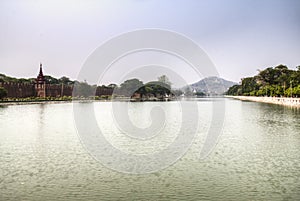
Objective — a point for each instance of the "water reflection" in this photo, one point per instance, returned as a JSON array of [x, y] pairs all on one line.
[[257, 157], [41, 118], [3, 106], [278, 118]]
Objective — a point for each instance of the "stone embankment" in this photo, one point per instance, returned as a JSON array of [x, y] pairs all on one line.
[[293, 102]]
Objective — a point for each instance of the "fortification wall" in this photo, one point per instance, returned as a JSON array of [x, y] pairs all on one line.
[[58, 90], [22, 90], [18, 90], [102, 90]]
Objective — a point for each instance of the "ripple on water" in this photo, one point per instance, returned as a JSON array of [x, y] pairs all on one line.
[[256, 158]]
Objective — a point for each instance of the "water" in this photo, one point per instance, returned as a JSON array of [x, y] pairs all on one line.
[[257, 156]]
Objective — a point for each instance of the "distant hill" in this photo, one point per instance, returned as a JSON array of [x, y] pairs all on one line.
[[212, 85]]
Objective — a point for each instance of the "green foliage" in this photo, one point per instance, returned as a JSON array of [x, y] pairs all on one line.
[[157, 88], [154, 88], [65, 80], [235, 90], [105, 97], [38, 99], [164, 79], [49, 80], [200, 93], [3, 92], [4, 78], [249, 85], [188, 91], [278, 81], [177, 92], [296, 91], [112, 86], [83, 89], [129, 87]]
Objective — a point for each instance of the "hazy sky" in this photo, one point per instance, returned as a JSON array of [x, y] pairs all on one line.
[[240, 36]]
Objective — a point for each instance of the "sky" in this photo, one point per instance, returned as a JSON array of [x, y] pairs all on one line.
[[239, 36]]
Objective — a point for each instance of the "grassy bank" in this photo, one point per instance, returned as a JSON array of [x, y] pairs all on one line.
[[32, 100]]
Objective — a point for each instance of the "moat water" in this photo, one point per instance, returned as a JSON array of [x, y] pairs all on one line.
[[257, 156]]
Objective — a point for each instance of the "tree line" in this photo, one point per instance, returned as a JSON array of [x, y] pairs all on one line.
[[279, 81], [49, 80], [129, 88]]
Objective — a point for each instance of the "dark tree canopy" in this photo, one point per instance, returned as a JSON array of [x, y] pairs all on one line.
[[277, 81], [83, 89], [65, 80], [155, 88], [129, 87], [3, 92]]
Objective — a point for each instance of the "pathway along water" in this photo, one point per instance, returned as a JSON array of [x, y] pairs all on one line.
[[293, 102]]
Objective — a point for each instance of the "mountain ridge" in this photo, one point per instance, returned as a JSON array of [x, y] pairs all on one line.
[[212, 85]]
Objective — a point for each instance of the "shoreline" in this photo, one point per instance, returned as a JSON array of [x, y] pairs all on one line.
[[292, 102], [8, 103], [47, 102], [30, 102]]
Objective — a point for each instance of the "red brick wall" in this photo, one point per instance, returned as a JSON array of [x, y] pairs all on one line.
[[102, 90], [18, 90], [58, 90], [21, 90]]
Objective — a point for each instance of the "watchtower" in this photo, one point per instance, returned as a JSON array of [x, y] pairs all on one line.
[[40, 85]]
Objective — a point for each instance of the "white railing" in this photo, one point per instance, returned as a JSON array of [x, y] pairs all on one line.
[[273, 100]]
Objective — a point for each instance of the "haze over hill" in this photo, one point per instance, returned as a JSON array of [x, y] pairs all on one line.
[[212, 85]]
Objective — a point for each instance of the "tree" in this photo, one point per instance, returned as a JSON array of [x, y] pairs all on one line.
[[249, 84], [296, 91], [129, 87], [200, 93], [51, 80], [177, 92], [157, 88], [164, 79], [112, 85], [83, 89], [278, 81], [23, 80], [234, 90], [65, 80], [3, 92], [188, 91], [281, 67], [266, 76]]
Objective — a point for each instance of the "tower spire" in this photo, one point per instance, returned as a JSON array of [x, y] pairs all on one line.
[[41, 70], [40, 77]]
